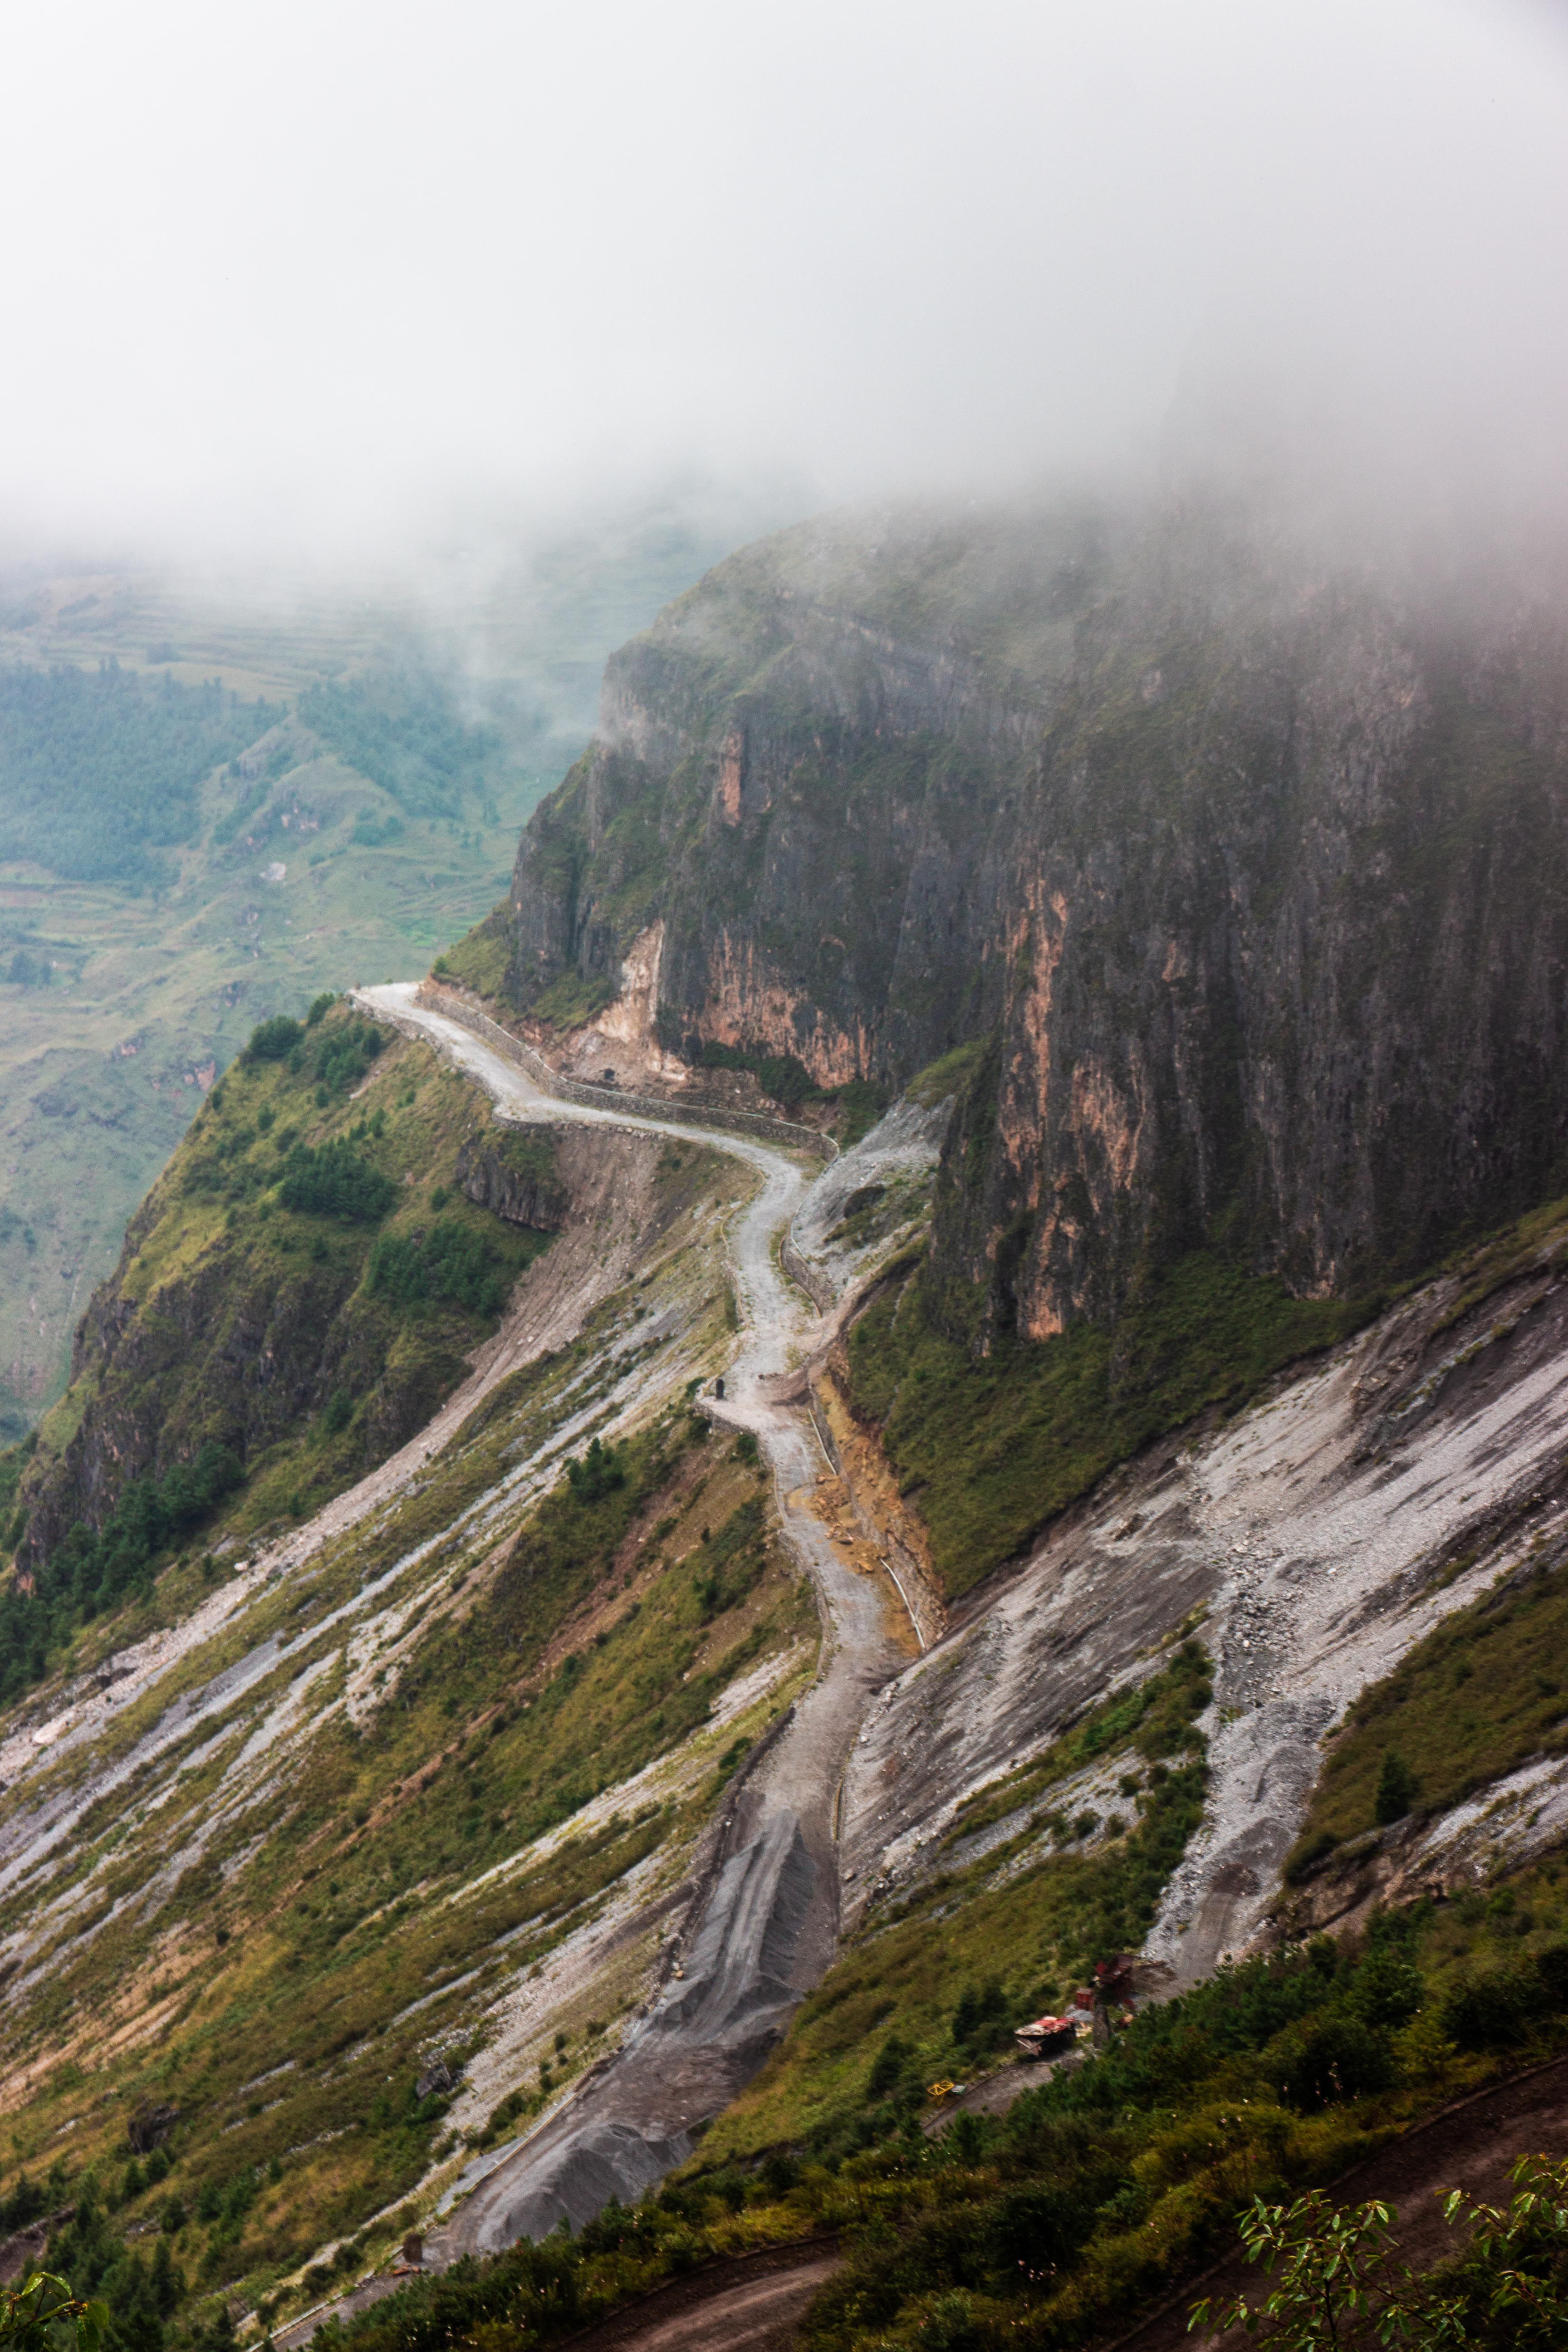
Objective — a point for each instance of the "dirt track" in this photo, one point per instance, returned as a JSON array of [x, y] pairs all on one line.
[[753, 2303], [768, 1920], [1469, 2146]]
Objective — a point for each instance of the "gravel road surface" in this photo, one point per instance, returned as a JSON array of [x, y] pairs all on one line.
[[768, 1919]]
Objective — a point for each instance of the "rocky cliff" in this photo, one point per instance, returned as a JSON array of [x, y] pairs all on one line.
[[1245, 860]]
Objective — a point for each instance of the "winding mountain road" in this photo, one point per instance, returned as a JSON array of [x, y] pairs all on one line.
[[768, 1918]]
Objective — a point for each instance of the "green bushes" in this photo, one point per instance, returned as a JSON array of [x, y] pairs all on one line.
[[1500, 2008], [274, 1040], [339, 1182], [93, 1572], [1341, 2059], [1335, 2280], [447, 1262], [601, 1472], [341, 1056], [730, 1562], [1395, 1790]]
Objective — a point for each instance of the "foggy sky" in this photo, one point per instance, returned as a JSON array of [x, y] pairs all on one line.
[[344, 277]]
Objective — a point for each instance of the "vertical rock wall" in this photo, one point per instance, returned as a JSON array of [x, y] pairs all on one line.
[[1249, 864]]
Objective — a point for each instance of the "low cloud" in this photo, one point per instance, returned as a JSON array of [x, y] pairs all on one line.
[[362, 281]]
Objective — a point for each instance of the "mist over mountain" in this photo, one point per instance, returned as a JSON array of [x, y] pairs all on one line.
[[431, 283], [783, 1169], [219, 794]]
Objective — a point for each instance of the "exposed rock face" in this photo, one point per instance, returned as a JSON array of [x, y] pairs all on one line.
[[1251, 868], [517, 1177]]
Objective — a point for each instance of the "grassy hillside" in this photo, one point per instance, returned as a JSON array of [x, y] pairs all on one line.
[[1483, 1694], [141, 938], [356, 1809], [988, 1450], [427, 1851], [312, 1221]]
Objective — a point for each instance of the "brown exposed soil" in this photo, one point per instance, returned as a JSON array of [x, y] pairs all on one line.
[[752, 2302]]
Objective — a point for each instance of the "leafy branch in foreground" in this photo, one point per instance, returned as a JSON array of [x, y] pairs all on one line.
[[1342, 2285], [43, 2315]]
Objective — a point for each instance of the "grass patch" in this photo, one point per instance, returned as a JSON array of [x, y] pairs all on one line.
[[1531, 1243], [989, 1450], [947, 1076], [480, 960], [570, 1001], [1486, 1691]]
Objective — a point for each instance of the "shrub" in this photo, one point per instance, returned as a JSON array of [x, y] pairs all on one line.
[[337, 1181], [274, 1040], [599, 1473], [343, 1055], [1339, 2059], [1551, 1967], [887, 2067], [1388, 1989], [449, 1262], [1395, 1789], [1492, 2011]]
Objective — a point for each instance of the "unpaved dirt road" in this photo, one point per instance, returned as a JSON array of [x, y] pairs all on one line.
[[768, 1921], [752, 2303], [1469, 2146]]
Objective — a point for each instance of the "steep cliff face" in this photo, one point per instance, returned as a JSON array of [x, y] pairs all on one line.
[[1285, 946], [811, 771], [1248, 862]]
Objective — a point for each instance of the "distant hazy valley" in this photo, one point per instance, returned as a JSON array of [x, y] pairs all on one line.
[[169, 875]]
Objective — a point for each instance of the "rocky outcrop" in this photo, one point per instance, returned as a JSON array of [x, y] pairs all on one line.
[[1246, 860], [515, 1176]]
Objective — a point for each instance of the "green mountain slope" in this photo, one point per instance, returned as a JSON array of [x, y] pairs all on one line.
[[312, 1222], [141, 938]]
